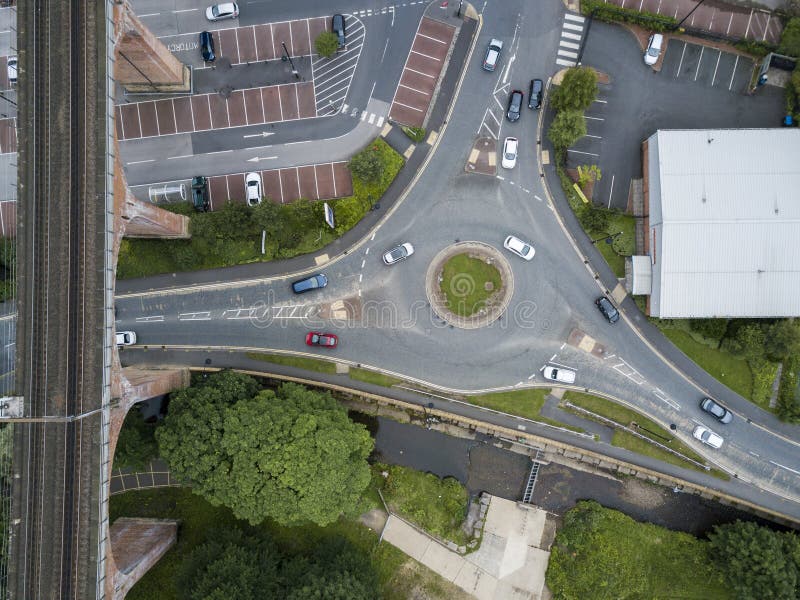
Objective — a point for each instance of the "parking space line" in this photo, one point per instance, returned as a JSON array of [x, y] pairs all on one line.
[[227, 189], [210, 118], [580, 152], [280, 183], [680, 63], [407, 106], [291, 38], [426, 55], [158, 127], [699, 61], [420, 72], [228, 110], [413, 89], [297, 100], [122, 121], [733, 74], [714, 78], [191, 112], [255, 41], [316, 181], [246, 118], [333, 176], [280, 102], [730, 22], [308, 35], [431, 38]]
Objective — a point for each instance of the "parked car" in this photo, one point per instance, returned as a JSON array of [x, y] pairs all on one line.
[[719, 412], [253, 188], [518, 247], [654, 45], [337, 25], [609, 310], [707, 436], [326, 340], [535, 94], [125, 338], [207, 46], [559, 374], [510, 146], [200, 193], [11, 68], [314, 282], [514, 105], [225, 10], [492, 55], [398, 253]]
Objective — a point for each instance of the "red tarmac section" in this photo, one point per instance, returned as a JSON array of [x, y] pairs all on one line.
[[8, 136]]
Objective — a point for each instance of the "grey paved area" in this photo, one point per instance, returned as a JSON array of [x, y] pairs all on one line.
[[552, 411]]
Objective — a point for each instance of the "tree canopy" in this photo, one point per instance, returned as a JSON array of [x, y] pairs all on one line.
[[759, 563], [577, 91], [567, 128], [136, 444], [292, 454], [326, 44]]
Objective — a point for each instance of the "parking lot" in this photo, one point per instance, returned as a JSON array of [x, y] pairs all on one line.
[[697, 87], [202, 112], [421, 72], [8, 136]]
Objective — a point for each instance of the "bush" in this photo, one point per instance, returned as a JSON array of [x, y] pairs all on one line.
[[763, 378], [790, 39], [136, 445], [710, 328], [567, 128], [755, 48], [367, 165], [415, 134], [614, 14], [577, 91], [326, 44], [788, 405], [593, 218]]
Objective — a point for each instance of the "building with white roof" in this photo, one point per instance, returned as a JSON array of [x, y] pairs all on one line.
[[721, 224]]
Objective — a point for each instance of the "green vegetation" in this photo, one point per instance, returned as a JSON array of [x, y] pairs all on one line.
[[621, 228], [437, 505], [6, 455], [567, 128], [8, 259], [615, 14], [646, 427], [577, 91], [415, 134], [326, 44], [523, 403], [397, 574], [232, 235], [299, 362], [136, 445], [790, 38], [291, 454], [789, 392], [603, 554], [758, 563], [464, 280], [373, 377]]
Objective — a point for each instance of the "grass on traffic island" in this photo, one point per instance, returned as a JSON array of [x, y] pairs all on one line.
[[398, 575], [521, 403], [437, 505], [468, 283], [231, 235], [646, 427]]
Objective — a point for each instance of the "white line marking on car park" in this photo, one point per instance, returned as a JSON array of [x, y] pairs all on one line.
[[579, 152], [611, 191], [565, 343], [148, 15], [501, 178], [139, 162], [594, 118], [373, 236], [785, 467], [178, 157], [596, 137], [571, 36], [148, 319], [699, 60], [220, 152], [733, 74], [577, 18], [521, 427], [750, 452], [531, 376], [195, 316], [553, 357], [680, 63], [719, 56]]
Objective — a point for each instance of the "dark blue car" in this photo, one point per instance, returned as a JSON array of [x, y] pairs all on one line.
[[207, 46], [313, 282]]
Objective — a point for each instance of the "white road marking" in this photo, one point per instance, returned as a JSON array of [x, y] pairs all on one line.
[[148, 319], [785, 467]]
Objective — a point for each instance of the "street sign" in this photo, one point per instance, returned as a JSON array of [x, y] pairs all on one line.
[[329, 216]]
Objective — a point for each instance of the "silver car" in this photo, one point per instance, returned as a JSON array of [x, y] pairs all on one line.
[[253, 188], [398, 253], [225, 10], [707, 436], [518, 247]]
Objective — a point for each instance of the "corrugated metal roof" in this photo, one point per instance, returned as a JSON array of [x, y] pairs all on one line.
[[730, 235], [642, 275]]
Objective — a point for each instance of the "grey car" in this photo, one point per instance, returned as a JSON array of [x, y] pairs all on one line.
[[398, 253], [719, 412]]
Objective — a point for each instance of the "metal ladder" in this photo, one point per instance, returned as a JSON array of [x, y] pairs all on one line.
[[526, 497]]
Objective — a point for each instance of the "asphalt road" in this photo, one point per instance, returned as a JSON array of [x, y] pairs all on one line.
[[395, 329]]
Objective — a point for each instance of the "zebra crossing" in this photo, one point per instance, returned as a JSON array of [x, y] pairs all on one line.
[[332, 76], [363, 115], [570, 42]]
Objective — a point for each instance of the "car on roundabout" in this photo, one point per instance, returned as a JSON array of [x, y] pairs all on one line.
[[510, 150], [398, 253], [326, 340], [518, 247]]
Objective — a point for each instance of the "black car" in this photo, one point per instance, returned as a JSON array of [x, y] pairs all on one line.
[[608, 309], [207, 46], [200, 193], [535, 94], [337, 24], [514, 105], [314, 282], [719, 412]]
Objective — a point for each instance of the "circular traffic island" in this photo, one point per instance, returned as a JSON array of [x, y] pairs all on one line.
[[469, 284]]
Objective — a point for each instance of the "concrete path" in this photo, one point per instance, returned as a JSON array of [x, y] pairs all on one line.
[[509, 564]]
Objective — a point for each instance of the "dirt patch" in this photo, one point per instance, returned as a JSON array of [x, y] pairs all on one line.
[[375, 519], [642, 493], [416, 582]]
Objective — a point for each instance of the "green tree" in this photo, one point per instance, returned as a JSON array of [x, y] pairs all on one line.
[[709, 328], [748, 341], [594, 218], [577, 91], [136, 445], [790, 38], [367, 165], [782, 338], [326, 44], [588, 173], [760, 564], [567, 128]]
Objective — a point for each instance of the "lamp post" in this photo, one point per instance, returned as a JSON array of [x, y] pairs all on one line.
[[289, 58]]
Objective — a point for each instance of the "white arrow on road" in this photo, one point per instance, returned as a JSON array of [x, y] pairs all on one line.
[[262, 134], [256, 158]]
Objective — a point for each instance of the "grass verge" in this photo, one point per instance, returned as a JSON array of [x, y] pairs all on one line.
[[622, 246], [439, 506], [373, 377], [647, 427], [522, 403], [602, 553], [464, 281], [300, 362], [397, 573]]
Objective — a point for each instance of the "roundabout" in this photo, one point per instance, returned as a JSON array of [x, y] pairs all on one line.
[[469, 284]]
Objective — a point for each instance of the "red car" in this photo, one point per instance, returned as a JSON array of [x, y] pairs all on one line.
[[315, 338]]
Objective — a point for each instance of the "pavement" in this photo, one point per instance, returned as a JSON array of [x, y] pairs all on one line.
[[510, 563]]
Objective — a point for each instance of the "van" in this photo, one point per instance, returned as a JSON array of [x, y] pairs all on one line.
[[337, 24], [559, 374], [653, 49]]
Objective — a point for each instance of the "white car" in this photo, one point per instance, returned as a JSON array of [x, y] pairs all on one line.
[[225, 10], [707, 436], [253, 188], [559, 374], [653, 51], [398, 253], [510, 148], [492, 55], [518, 247], [126, 338], [11, 65]]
